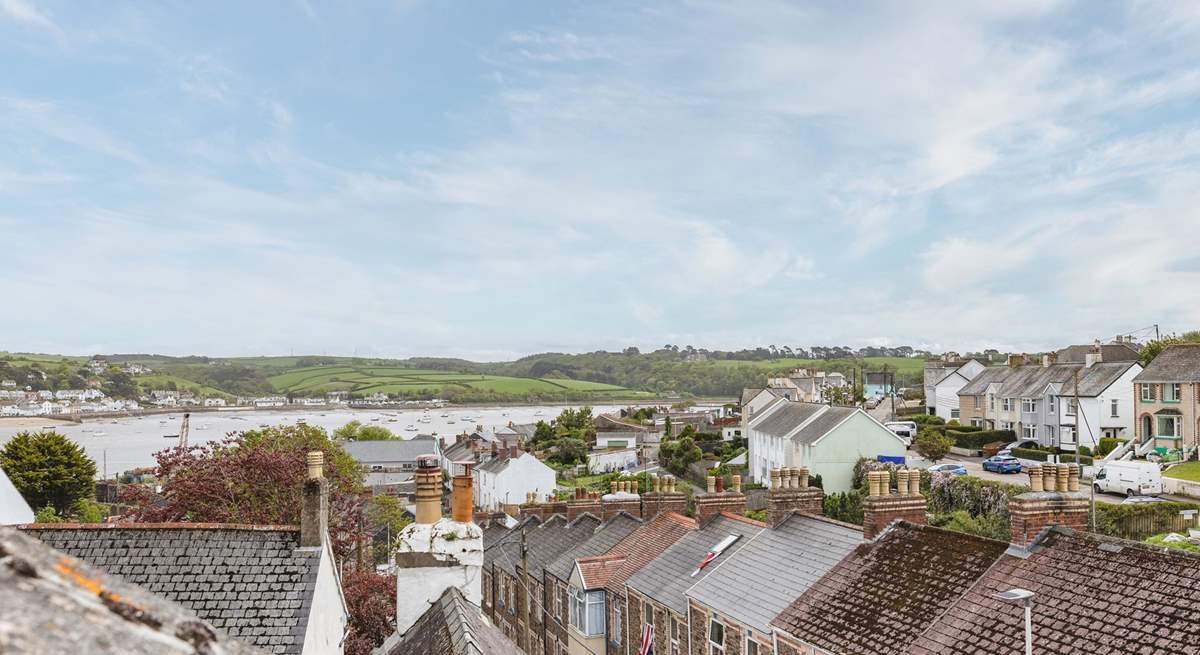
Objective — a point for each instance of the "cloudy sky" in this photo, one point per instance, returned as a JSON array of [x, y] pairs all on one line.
[[493, 179]]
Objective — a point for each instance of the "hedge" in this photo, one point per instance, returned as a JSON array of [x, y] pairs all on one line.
[[1031, 453], [975, 496], [980, 438], [1107, 445], [910, 411]]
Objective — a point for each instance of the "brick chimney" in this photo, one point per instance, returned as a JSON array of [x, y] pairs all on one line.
[[718, 500], [790, 493], [1054, 499], [584, 501], [1018, 360], [314, 512], [1048, 359], [623, 497], [514, 451], [435, 553], [664, 498], [881, 507]]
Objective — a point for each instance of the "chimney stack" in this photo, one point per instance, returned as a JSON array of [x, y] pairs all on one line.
[[584, 502], [882, 507], [1054, 499], [314, 511], [429, 490], [1048, 359], [717, 500], [463, 500], [789, 493], [623, 498], [664, 498]]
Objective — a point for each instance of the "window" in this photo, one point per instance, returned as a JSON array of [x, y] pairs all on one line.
[[954, 414], [674, 636], [977, 422], [1068, 434], [503, 592], [1168, 426], [1006, 425], [558, 609], [587, 611], [1028, 405], [648, 613], [716, 637], [1147, 393], [991, 402], [1115, 408], [1006, 404], [1030, 432], [1052, 404], [1072, 407], [977, 403], [1171, 392], [751, 645], [1050, 432]]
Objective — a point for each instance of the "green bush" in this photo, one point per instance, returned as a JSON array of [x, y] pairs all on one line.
[[1070, 458], [975, 496], [1107, 445], [756, 514], [1035, 454], [980, 438], [846, 506], [1085, 451], [926, 419], [992, 526]]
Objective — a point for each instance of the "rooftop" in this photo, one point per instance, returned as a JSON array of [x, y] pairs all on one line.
[[1093, 595], [1177, 363], [607, 535], [253, 582], [54, 603], [452, 626], [785, 419], [884, 594], [391, 450], [667, 577], [644, 544], [811, 546]]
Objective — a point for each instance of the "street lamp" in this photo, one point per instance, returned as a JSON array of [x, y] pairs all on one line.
[[1024, 598]]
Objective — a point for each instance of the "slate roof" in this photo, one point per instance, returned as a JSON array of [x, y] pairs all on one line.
[[667, 577], [53, 603], [783, 420], [393, 450], [883, 595], [607, 535], [544, 542], [644, 544], [253, 582], [1031, 380], [459, 452], [495, 465], [823, 423], [493, 531], [1093, 595], [786, 560], [748, 395], [1109, 352], [1177, 363], [452, 626]]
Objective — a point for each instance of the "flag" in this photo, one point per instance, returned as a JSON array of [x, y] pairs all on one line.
[[707, 560], [647, 640]]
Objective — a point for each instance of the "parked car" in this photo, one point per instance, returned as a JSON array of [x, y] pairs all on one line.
[[1002, 464], [906, 430], [1142, 500], [948, 468], [1129, 478], [874, 401]]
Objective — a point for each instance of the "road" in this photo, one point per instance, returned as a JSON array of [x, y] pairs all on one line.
[[883, 412], [974, 466]]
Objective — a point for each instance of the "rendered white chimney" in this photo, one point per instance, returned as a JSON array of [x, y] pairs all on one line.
[[435, 553]]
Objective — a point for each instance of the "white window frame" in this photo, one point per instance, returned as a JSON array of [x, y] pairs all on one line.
[[1052, 404], [1029, 405], [1072, 407], [715, 648], [1115, 408], [1006, 404], [1175, 389], [954, 414], [1050, 432], [616, 632], [1147, 393], [1175, 422], [674, 635], [1030, 432], [977, 403]]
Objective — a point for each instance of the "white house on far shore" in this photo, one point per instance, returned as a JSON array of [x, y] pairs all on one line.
[[507, 479]]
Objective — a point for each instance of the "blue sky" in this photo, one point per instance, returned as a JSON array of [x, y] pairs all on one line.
[[493, 179]]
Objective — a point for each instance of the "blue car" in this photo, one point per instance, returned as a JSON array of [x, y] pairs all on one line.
[[1002, 464], [949, 469]]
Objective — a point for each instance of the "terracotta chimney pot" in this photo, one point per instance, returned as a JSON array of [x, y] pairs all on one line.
[[1048, 475], [1063, 471], [804, 477], [429, 490], [712, 484], [1035, 478], [1073, 479], [316, 464], [902, 482], [775, 479], [914, 483], [737, 484]]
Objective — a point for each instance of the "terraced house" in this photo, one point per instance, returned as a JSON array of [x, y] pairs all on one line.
[[1065, 405], [1168, 400]]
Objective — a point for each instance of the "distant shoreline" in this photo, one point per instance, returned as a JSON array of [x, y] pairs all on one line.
[[31, 421]]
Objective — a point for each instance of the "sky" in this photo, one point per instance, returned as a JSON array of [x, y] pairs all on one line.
[[487, 180]]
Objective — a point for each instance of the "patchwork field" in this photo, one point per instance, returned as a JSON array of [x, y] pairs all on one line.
[[392, 380]]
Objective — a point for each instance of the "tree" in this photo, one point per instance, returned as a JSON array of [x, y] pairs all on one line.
[[49, 470], [371, 599], [678, 454], [543, 433], [932, 445], [255, 477], [570, 451], [355, 431], [1156, 346]]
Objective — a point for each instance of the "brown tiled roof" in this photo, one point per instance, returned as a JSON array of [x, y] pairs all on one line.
[[644, 544], [597, 571], [1093, 595], [883, 595]]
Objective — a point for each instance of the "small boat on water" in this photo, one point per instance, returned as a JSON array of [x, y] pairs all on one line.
[[99, 433], [410, 428], [301, 421], [393, 420], [539, 413], [445, 415], [114, 421], [162, 422]]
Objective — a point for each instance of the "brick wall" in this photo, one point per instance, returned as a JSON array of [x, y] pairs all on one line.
[[556, 625], [697, 637], [880, 511], [709, 505], [782, 502], [657, 502], [1031, 512], [610, 508]]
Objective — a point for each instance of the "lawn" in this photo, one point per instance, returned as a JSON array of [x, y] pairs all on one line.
[[393, 379], [1189, 471]]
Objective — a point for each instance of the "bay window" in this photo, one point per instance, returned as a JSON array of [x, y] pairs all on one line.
[[587, 611], [1168, 426]]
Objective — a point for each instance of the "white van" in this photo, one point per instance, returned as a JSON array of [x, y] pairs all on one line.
[[906, 430], [1129, 478]]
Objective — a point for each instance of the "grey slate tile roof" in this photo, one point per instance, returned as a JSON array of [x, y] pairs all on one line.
[[775, 567], [1109, 352], [979, 384], [1095, 379], [1031, 380], [748, 394], [53, 603], [493, 531], [787, 417], [452, 626], [823, 423], [252, 582], [670, 574], [544, 542], [1177, 363], [373, 452], [604, 537]]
